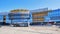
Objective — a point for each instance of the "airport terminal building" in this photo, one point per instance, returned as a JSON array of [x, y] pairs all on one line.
[[38, 16]]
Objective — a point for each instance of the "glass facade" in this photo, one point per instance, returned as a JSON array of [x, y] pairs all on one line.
[[53, 15], [19, 17], [7, 19], [1, 18]]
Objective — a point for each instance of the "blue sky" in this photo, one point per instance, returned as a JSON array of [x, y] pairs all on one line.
[[7, 5]]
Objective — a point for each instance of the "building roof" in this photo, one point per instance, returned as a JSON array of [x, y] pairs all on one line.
[[39, 10]]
